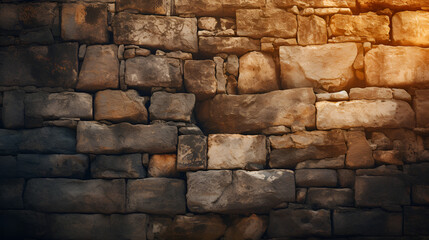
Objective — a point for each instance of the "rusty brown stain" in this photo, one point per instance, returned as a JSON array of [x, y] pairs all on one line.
[[80, 14]]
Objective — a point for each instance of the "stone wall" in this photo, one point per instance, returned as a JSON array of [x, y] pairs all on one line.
[[214, 119]]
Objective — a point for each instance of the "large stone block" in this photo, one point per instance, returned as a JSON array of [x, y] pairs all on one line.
[[239, 191], [192, 153], [48, 140], [230, 45], [169, 33], [299, 223], [415, 220], [330, 198], [69, 195], [316, 178], [11, 193], [364, 113], [209, 227], [200, 78], [58, 105], [97, 138], [392, 4], [389, 66], [312, 30], [253, 113], [156, 196], [143, 6], [153, 71], [13, 109], [421, 107], [171, 106], [41, 66], [258, 23], [52, 165], [411, 28], [327, 66], [315, 3], [114, 166]]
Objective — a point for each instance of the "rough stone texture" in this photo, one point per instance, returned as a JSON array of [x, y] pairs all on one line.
[[364, 25], [84, 22], [171, 106], [153, 71], [58, 105], [52, 165], [315, 3], [252, 228], [376, 191], [247, 113], [333, 163], [48, 140], [123, 166], [214, 8], [220, 75], [207, 23], [359, 153], [415, 221], [370, 93], [258, 23], [230, 45], [381, 140], [192, 153], [142, 6], [13, 222], [41, 66], [230, 151], [69, 195], [411, 28], [330, 198], [421, 106], [392, 157], [312, 30], [169, 33], [257, 73], [156, 196], [97, 138], [389, 66], [162, 165], [420, 194], [316, 178], [392, 4], [119, 106], [200, 78], [327, 66], [13, 109], [224, 191], [210, 227], [364, 113], [374, 222], [100, 68], [346, 178], [11, 193], [299, 223], [336, 96]]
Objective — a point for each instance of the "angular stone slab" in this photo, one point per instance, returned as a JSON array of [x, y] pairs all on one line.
[[330, 198], [210, 227], [364, 113], [389, 66], [224, 191], [97, 138], [392, 4], [58, 105], [169, 33], [315, 3], [230, 45], [52, 165], [328, 66], [312, 30], [11, 193], [421, 107], [192, 153], [41, 66], [252, 113], [114, 166], [156, 196], [69, 195], [200, 78], [143, 6], [411, 28], [415, 220], [171, 106], [48, 140]]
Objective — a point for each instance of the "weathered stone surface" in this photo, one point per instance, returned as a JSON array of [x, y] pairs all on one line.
[[363, 25], [230, 45], [156, 196], [58, 105], [330, 198], [142, 6], [315, 3], [114, 166], [100, 68], [304, 67], [169, 33], [389, 66], [153, 71], [214, 8], [257, 73], [200, 78], [252, 113], [78, 226], [346, 178], [69, 195], [97, 138], [316, 178], [171, 106], [392, 157], [210, 227], [392, 4], [35, 15], [421, 106], [364, 113], [336, 96], [48, 140], [84, 22], [411, 28], [230, 151], [21, 224], [192, 153], [299, 223], [374, 222], [375, 191], [415, 220], [312, 30], [359, 153], [52, 165], [220, 75], [119, 106], [162, 165], [11, 193], [232, 65], [252, 228], [334, 163], [41, 66], [13, 109], [224, 191], [381, 140], [258, 23], [8, 167], [207, 23], [370, 93]]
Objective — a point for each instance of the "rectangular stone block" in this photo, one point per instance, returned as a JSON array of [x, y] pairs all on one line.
[[41, 66], [230, 45], [113, 166], [421, 107], [156, 196], [364, 113], [48, 140], [143, 6], [316, 178], [415, 221], [224, 191], [330, 197], [315, 3], [11, 193], [411, 28], [171, 106], [169, 33], [192, 153], [70, 195], [392, 4], [97, 138], [13, 109], [200, 78]]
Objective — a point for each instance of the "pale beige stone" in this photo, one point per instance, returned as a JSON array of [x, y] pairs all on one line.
[[331, 11], [411, 28], [305, 139], [312, 30], [230, 45], [401, 94], [336, 96], [207, 23], [370, 93], [315, 3]]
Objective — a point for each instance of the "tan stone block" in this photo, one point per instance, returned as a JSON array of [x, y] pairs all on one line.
[[359, 153], [370, 93], [229, 45], [312, 30], [315, 3], [411, 28], [162, 165], [392, 4]]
